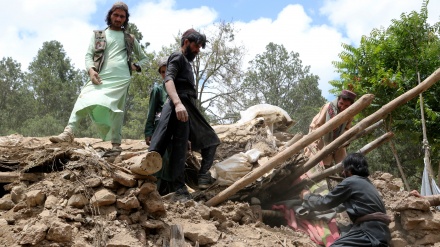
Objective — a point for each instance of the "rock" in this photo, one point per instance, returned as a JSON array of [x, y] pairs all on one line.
[[152, 203], [60, 232], [411, 202], [124, 179], [35, 198], [93, 182], [387, 177], [203, 233], [203, 210], [419, 220], [103, 197], [110, 212], [380, 184], [399, 242], [6, 203], [33, 234], [147, 188], [123, 239], [51, 202], [128, 203], [78, 201], [17, 194]]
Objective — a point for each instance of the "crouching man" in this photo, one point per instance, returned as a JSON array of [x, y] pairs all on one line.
[[362, 202]]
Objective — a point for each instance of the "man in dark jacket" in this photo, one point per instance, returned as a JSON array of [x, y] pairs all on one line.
[[181, 120], [362, 202]]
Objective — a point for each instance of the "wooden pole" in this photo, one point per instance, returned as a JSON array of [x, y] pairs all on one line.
[[427, 159], [364, 132], [282, 156], [394, 150], [379, 114], [338, 168]]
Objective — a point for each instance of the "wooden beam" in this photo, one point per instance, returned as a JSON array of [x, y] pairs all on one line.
[[338, 168], [282, 156], [376, 116]]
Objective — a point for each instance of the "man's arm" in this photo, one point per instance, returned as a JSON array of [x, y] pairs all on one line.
[[181, 113], [90, 64], [333, 199], [319, 119], [140, 55]]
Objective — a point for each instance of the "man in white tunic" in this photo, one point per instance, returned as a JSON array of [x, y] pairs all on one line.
[[103, 97]]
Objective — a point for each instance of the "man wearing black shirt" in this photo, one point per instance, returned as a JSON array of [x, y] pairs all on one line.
[[180, 118], [362, 202]]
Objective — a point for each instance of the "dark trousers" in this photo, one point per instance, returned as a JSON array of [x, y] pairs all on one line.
[[170, 127]]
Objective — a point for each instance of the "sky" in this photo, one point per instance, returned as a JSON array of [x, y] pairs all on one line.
[[313, 28]]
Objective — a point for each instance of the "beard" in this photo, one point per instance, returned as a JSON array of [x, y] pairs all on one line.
[[189, 54]]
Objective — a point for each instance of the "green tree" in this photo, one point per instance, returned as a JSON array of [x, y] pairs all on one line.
[[56, 85], [16, 99], [387, 64], [278, 77]]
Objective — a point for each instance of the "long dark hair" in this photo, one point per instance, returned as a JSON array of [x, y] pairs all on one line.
[[110, 12]]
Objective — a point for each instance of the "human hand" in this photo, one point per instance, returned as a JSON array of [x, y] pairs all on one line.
[[415, 193], [135, 67], [94, 77], [148, 140], [303, 193], [181, 113]]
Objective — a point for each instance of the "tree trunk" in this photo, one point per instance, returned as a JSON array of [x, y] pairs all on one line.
[[393, 149]]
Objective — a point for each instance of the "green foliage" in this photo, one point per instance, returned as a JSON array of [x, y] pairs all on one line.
[[55, 82], [387, 64], [137, 99], [16, 98], [278, 77]]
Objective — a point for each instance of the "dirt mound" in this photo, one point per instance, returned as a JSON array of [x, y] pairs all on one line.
[[66, 195]]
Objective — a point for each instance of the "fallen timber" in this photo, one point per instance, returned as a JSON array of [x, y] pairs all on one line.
[[280, 186], [331, 124], [354, 109], [273, 188], [338, 168], [374, 117]]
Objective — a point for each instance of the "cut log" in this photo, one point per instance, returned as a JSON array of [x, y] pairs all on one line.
[[9, 177], [145, 164], [333, 123]]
